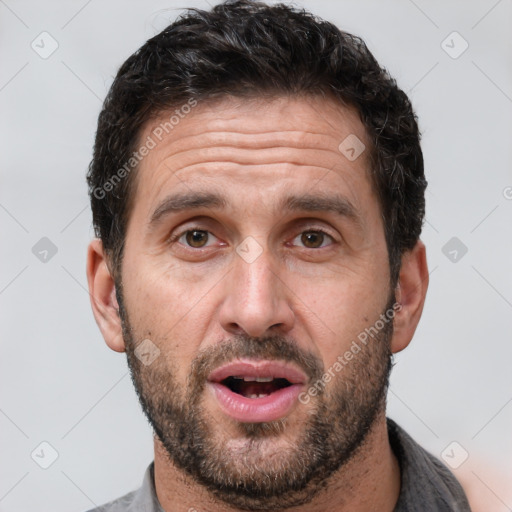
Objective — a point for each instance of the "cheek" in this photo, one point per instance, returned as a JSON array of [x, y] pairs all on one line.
[[161, 291], [169, 306], [336, 311]]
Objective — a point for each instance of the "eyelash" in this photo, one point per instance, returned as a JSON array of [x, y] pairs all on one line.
[[176, 237]]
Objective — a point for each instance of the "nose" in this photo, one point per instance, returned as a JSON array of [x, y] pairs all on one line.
[[257, 301]]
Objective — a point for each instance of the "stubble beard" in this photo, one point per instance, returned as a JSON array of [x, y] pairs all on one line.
[[269, 470]]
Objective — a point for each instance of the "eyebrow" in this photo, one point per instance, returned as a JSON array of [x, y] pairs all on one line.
[[188, 201], [336, 204]]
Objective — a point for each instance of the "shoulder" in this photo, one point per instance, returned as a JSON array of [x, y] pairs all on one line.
[[122, 504], [143, 499], [426, 483]]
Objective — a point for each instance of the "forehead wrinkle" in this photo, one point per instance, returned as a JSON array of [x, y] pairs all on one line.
[[231, 117], [252, 175], [227, 122], [197, 173], [215, 157], [231, 141], [245, 173], [194, 147], [254, 137]]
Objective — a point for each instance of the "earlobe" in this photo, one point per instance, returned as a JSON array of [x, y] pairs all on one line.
[[411, 291], [103, 296]]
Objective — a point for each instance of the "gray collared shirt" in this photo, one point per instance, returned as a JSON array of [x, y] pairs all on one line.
[[426, 484]]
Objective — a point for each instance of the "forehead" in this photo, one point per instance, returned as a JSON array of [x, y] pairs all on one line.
[[277, 146]]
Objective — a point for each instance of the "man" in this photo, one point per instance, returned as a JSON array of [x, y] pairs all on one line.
[[257, 190]]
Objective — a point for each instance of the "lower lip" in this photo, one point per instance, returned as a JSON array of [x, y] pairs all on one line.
[[256, 410]]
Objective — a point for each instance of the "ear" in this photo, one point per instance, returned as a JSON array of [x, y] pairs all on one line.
[[102, 291], [410, 294]]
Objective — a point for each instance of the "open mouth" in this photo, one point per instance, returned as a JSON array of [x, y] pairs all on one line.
[[256, 391], [255, 387]]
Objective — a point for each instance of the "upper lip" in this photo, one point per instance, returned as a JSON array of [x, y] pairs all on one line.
[[258, 368]]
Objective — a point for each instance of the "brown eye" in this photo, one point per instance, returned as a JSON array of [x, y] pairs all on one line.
[[196, 238], [313, 239]]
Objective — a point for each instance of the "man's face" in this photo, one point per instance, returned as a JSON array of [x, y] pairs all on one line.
[[255, 248]]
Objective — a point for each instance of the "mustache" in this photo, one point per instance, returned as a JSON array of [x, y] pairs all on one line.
[[274, 347]]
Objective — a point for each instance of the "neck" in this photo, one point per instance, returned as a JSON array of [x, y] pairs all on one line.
[[369, 481]]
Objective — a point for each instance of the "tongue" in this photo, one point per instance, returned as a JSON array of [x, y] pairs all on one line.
[[257, 388]]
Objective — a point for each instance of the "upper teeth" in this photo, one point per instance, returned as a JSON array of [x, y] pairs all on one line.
[[254, 379]]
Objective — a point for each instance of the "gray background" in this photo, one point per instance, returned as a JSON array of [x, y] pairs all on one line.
[[61, 384]]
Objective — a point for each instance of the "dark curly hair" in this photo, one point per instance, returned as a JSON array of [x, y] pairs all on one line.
[[250, 49]]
